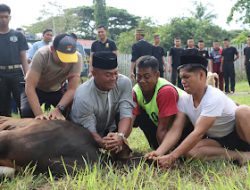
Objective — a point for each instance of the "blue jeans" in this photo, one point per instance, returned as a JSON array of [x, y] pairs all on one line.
[[49, 98], [10, 84]]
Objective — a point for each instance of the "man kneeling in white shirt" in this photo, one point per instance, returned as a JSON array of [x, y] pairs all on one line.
[[221, 129]]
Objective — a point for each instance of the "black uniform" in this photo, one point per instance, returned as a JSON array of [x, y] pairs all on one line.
[[11, 75], [191, 51], [247, 62], [158, 53], [141, 48], [176, 54], [228, 67], [204, 53], [109, 45]]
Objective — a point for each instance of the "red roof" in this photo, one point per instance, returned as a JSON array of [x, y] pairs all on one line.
[[85, 43]]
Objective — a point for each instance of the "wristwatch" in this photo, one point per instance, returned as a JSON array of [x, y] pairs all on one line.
[[122, 136], [61, 108]]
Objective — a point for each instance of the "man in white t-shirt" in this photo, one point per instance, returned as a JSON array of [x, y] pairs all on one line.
[[221, 129]]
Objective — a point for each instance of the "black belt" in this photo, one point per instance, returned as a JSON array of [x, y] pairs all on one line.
[[10, 67]]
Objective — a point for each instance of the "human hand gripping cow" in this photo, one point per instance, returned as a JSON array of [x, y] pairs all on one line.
[[104, 103], [221, 128], [52, 79]]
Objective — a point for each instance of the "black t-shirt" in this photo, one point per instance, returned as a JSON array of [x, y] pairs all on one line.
[[191, 51], [247, 54], [176, 54], [203, 53], [141, 48], [158, 53], [109, 45], [11, 44], [229, 53]]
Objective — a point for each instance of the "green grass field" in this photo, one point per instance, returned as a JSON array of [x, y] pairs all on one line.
[[190, 175]]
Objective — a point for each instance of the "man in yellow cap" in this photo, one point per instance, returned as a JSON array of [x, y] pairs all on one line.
[[51, 66]]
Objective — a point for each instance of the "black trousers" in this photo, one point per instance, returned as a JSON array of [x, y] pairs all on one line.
[[10, 86], [248, 72], [175, 78], [229, 76], [149, 129], [49, 98]]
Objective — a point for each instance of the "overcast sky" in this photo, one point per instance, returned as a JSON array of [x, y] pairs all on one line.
[[25, 12]]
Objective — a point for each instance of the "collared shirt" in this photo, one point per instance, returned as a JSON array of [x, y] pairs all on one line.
[[11, 44], [52, 74], [108, 45], [203, 53], [96, 110], [36, 46]]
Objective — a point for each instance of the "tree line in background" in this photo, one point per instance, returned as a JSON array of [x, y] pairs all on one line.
[[121, 24]]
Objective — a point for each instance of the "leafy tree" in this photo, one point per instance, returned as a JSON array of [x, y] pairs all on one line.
[[190, 27], [120, 21], [86, 25], [81, 21], [201, 12], [243, 7], [100, 12], [240, 38], [127, 39]]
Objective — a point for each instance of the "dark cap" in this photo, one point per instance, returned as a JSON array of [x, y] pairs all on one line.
[[65, 47], [193, 61], [104, 60]]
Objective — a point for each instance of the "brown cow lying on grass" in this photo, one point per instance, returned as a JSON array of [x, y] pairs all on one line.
[[44, 143]]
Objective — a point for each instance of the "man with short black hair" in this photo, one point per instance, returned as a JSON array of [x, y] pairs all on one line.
[[229, 56], [221, 129], [247, 59], [50, 68], [191, 49], [158, 53], [155, 99], [103, 44], [47, 38], [13, 62], [104, 104], [174, 62], [140, 48]]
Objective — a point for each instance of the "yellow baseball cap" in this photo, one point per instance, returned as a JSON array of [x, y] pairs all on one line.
[[66, 48]]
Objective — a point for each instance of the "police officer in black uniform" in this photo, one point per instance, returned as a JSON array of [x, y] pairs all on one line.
[[103, 44], [13, 62], [201, 49]]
